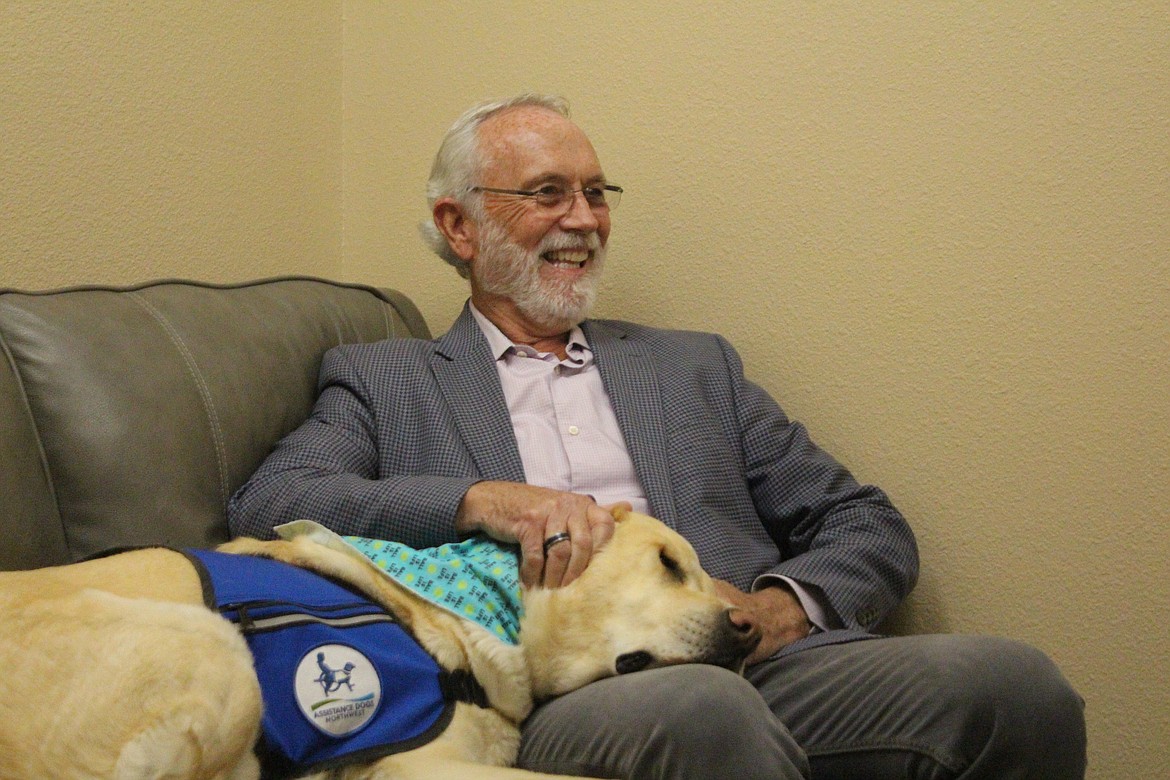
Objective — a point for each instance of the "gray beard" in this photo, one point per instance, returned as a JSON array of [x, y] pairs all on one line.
[[507, 270]]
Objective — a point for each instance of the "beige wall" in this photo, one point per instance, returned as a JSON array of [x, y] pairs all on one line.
[[142, 140], [940, 236]]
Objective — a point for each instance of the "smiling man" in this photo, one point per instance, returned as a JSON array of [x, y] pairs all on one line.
[[527, 419]]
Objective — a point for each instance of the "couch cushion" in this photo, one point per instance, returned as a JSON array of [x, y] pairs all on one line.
[[145, 408]]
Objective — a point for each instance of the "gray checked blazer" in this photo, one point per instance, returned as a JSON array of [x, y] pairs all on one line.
[[402, 429]]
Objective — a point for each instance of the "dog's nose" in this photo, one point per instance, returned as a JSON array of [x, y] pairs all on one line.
[[744, 626]]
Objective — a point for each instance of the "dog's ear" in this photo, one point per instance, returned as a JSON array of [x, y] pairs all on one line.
[[620, 510]]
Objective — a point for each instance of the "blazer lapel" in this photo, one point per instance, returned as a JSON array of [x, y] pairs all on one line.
[[627, 372], [467, 377]]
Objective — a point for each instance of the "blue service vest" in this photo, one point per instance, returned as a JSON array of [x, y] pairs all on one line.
[[342, 680]]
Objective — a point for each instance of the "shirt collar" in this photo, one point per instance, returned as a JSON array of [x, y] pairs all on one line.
[[577, 347]]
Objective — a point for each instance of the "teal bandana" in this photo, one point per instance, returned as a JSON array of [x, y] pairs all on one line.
[[478, 579]]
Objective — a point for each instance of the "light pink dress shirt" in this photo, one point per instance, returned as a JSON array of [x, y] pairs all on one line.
[[566, 430]]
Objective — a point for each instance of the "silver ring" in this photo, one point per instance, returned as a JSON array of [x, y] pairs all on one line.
[[555, 539]]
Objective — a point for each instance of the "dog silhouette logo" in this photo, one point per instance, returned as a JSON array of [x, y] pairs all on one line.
[[337, 689], [332, 679]]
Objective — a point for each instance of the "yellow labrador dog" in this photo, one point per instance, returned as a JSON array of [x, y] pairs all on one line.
[[114, 668]]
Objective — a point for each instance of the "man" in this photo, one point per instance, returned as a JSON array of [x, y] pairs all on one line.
[[527, 419]]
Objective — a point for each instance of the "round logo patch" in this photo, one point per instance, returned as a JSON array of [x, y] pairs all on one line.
[[337, 689]]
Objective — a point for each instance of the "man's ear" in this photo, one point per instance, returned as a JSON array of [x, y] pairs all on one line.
[[459, 230]]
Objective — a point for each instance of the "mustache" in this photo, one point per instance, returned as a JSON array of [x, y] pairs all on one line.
[[558, 241]]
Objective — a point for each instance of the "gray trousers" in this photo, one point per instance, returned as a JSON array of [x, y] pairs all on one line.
[[941, 706]]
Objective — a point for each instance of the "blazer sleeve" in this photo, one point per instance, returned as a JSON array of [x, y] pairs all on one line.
[[334, 467], [843, 540]]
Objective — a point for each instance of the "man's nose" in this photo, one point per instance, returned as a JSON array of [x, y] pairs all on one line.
[[580, 216]]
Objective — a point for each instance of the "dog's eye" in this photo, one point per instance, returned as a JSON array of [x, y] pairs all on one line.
[[671, 565]]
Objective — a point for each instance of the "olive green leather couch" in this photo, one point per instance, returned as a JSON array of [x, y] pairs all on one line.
[[129, 416]]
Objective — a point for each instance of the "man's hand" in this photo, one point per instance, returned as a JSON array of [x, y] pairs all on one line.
[[528, 515], [775, 609]]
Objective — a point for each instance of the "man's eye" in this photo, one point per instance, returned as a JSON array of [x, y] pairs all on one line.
[[594, 195], [551, 194]]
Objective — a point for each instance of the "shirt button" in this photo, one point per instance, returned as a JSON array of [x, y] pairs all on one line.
[[574, 430]]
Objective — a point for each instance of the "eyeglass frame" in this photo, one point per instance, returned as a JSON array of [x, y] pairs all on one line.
[[569, 195]]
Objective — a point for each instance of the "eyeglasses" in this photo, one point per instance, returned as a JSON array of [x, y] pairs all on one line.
[[554, 197]]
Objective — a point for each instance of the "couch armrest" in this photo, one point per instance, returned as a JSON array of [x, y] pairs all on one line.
[[131, 415]]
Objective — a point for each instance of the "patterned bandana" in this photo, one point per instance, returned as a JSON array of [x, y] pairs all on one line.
[[477, 579]]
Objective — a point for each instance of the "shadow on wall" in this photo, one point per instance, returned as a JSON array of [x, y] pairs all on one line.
[[923, 612]]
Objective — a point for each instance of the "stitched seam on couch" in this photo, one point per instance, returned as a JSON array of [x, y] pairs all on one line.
[[119, 288], [42, 455], [200, 385]]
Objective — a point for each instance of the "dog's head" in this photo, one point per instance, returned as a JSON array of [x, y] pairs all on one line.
[[643, 602]]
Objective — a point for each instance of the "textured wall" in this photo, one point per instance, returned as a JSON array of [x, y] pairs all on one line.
[[939, 234], [142, 140]]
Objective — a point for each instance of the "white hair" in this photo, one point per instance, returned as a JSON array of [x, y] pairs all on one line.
[[458, 163]]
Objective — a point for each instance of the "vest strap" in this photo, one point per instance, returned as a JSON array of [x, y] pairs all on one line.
[[461, 685]]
